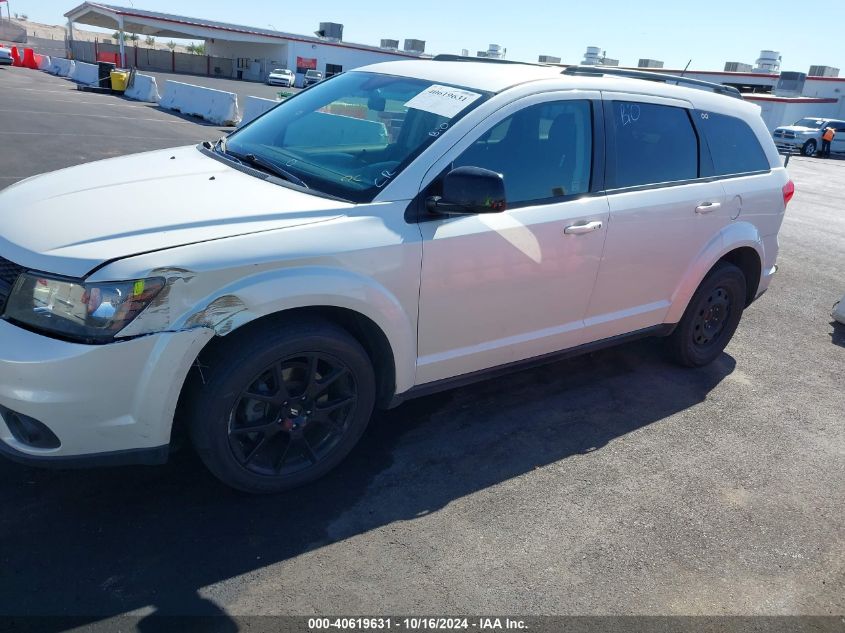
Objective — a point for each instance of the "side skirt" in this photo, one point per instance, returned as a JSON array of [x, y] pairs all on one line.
[[419, 391]]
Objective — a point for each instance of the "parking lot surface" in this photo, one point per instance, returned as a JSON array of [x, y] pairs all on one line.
[[615, 483]]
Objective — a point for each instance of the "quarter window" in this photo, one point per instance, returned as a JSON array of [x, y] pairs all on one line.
[[733, 145], [543, 151], [654, 144]]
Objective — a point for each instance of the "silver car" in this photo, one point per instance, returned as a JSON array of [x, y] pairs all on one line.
[[5, 56], [805, 135]]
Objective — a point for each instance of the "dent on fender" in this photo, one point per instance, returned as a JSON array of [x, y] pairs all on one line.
[[222, 315]]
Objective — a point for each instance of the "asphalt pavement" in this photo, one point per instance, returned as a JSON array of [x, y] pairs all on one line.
[[615, 483]]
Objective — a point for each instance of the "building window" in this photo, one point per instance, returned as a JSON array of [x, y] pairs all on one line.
[[333, 69]]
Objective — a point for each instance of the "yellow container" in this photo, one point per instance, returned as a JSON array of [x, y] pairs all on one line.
[[119, 79]]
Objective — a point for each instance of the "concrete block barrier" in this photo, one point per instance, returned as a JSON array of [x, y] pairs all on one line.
[[255, 107], [143, 88], [215, 106], [88, 74], [61, 67]]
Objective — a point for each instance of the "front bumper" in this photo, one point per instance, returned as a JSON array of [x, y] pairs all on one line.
[[106, 403]]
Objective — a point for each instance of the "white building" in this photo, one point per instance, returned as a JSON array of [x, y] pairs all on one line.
[[255, 51]]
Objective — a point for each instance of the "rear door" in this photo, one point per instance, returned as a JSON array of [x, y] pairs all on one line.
[[664, 209]]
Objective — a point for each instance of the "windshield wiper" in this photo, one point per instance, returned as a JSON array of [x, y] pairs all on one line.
[[263, 163]]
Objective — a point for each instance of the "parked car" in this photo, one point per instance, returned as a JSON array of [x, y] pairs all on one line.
[[6, 56], [266, 292], [312, 77], [806, 135], [281, 77]]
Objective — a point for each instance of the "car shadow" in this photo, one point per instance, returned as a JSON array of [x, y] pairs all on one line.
[[837, 336], [99, 543]]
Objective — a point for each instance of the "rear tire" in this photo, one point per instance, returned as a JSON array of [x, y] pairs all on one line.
[[281, 404], [711, 318]]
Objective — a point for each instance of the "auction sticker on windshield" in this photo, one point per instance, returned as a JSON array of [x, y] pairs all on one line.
[[442, 100]]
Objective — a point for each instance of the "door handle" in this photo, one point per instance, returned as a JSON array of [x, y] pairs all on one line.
[[579, 229], [707, 207]]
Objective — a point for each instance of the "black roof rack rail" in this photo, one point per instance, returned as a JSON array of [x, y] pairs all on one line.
[[730, 91], [446, 57]]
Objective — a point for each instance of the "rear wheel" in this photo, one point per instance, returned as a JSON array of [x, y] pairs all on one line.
[[281, 405], [711, 318], [809, 148]]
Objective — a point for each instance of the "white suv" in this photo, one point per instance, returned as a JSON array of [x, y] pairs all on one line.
[[394, 231]]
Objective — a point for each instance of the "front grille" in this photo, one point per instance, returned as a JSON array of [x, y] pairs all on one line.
[[9, 273], [778, 133]]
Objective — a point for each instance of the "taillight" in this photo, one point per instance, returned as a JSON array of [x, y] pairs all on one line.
[[788, 192]]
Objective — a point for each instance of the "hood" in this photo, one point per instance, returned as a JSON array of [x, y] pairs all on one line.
[[797, 128], [70, 221]]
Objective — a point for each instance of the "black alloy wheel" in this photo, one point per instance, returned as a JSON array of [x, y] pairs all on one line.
[[292, 415], [280, 403]]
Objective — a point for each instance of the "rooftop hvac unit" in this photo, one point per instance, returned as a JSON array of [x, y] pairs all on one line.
[[415, 46], [597, 57], [392, 44], [650, 63], [737, 67], [548, 59], [494, 51], [330, 31], [768, 62], [790, 84], [593, 56], [823, 71]]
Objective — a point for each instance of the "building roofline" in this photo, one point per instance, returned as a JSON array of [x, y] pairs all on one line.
[[729, 73], [235, 28]]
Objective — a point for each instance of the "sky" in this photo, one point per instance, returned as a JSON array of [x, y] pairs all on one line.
[[708, 33]]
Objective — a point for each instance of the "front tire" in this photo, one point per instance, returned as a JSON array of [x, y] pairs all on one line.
[[280, 405], [809, 148], [711, 318]]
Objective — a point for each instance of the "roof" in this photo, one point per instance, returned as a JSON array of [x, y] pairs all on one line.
[[479, 75], [496, 77], [169, 25]]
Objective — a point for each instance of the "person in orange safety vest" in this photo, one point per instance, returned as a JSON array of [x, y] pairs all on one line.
[[827, 137]]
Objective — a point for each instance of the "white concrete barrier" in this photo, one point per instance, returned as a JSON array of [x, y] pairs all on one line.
[[45, 63], [143, 88], [88, 74], [215, 106], [255, 107], [61, 66]]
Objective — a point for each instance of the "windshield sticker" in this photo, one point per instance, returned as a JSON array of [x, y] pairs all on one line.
[[442, 100]]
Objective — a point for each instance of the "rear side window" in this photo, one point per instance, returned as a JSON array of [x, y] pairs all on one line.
[[654, 144], [733, 145]]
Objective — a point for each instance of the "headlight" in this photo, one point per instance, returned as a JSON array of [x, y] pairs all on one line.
[[90, 313]]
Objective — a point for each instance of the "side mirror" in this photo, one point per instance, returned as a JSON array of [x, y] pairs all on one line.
[[468, 190]]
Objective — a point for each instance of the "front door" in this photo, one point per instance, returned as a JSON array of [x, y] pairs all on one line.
[[502, 287]]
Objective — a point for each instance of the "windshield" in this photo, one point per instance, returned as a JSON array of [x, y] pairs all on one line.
[[351, 134], [813, 123], [280, 71]]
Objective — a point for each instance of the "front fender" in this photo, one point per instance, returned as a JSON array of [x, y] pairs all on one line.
[[735, 235], [272, 292]]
